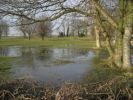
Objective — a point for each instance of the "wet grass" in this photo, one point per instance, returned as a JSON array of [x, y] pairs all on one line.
[[61, 61], [101, 71], [64, 42], [98, 74], [5, 66], [5, 62]]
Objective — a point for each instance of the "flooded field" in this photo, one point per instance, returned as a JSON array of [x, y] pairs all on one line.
[[47, 65]]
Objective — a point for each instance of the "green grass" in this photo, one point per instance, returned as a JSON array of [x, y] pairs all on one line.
[[5, 66], [5, 62], [101, 71], [50, 42]]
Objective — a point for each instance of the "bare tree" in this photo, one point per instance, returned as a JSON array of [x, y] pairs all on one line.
[[61, 34], [23, 28], [27, 28], [78, 26], [65, 27], [67, 31], [44, 28], [3, 28]]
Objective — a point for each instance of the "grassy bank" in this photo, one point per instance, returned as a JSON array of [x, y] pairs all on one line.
[[50, 42], [102, 70]]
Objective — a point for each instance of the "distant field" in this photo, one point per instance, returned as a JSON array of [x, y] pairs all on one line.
[[84, 42]]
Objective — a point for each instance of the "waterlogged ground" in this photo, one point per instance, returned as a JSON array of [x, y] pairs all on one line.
[[48, 65], [54, 67]]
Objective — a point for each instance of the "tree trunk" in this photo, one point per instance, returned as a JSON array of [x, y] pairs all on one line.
[[97, 31], [86, 31], [119, 36], [24, 35], [0, 35], [118, 50], [78, 31], [126, 47], [106, 36], [42, 37], [127, 35], [29, 37], [67, 31]]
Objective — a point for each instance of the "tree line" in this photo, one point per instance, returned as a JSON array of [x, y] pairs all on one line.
[[41, 29]]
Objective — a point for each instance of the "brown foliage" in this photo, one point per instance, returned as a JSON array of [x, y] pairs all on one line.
[[29, 90]]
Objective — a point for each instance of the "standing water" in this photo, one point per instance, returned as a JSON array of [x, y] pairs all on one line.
[[48, 65]]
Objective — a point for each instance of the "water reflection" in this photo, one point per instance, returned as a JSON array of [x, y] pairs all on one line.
[[10, 51], [39, 62]]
